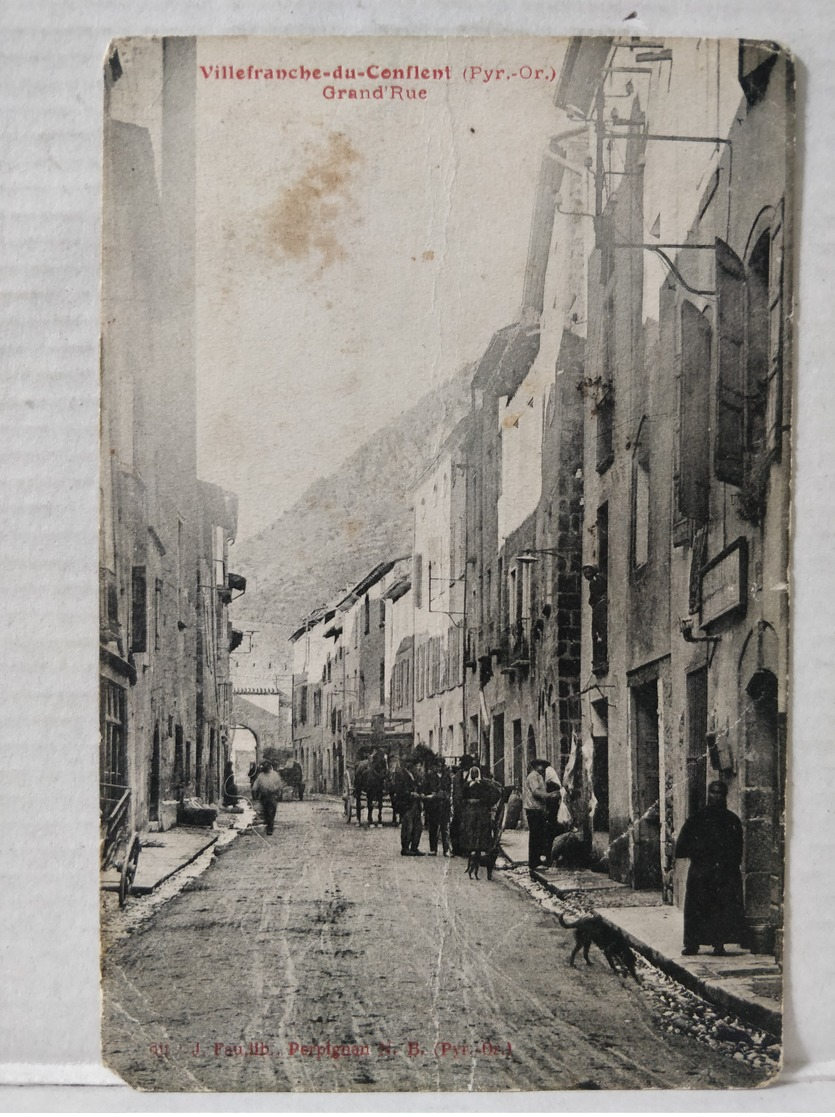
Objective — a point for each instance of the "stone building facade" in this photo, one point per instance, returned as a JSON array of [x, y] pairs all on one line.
[[685, 623], [164, 627]]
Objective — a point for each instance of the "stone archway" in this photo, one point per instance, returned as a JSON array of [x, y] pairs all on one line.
[[243, 751]]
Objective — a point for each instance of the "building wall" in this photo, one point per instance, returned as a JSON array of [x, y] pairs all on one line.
[[438, 595], [678, 496], [310, 655], [152, 547], [526, 494], [400, 657]]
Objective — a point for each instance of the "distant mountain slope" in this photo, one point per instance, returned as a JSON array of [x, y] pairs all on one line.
[[345, 523]]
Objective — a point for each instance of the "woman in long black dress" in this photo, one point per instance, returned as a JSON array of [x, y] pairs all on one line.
[[713, 907], [480, 797]]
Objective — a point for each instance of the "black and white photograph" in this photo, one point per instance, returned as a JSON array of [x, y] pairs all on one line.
[[446, 446]]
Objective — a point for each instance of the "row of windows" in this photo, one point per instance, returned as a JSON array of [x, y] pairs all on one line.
[[303, 704], [730, 425]]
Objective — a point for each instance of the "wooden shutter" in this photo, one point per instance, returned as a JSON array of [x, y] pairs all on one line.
[[774, 392], [730, 387], [139, 610], [694, 451]]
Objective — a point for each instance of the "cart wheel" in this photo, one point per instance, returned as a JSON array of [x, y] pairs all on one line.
[[129, 866]]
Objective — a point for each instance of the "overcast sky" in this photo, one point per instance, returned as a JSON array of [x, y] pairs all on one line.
[[351, 254]]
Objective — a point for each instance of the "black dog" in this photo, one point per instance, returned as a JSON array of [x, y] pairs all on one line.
[[476, 859], [591, 929]]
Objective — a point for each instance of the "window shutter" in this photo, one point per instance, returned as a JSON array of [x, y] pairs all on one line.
[[730, 388], [694, 452], [417, 581], [139, 610], [774, 394]]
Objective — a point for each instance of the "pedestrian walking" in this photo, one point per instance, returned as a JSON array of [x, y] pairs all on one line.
[[267, 787], [713, 907], [535, 798], [406, 795]]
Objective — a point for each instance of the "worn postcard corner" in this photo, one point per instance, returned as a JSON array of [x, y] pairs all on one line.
[[444, 641]]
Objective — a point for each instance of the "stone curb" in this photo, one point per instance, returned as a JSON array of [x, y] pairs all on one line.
[[758, 1016], [145, 889]]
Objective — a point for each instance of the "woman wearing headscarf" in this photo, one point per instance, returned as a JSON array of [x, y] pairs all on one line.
[[480, 796]]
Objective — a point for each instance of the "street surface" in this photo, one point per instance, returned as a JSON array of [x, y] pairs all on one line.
[[321, 960]]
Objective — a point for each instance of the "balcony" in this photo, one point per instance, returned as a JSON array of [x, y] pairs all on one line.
[[235, 584], [520, 646], [516, 647]]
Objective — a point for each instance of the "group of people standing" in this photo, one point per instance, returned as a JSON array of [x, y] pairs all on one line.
[[459, 806]]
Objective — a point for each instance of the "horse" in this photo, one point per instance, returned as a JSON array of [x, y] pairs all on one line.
[[370, 780]]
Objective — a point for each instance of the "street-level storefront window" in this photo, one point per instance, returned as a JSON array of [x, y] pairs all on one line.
[[113, 728]]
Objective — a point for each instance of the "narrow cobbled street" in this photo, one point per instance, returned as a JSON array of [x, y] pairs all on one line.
[[320, 960]]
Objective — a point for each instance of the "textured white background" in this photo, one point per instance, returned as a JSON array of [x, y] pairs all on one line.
[[50, 114]]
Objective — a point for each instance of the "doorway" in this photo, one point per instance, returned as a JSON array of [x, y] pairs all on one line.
[[518, 758], [696, 740], [600, 766], [647, 830], [763, 806], [211, 783], [153, 788], [498, 749]]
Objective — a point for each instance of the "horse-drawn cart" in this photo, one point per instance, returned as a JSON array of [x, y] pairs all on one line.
[[373, 749], [293, 779]]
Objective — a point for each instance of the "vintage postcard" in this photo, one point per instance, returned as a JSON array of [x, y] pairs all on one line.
[[445, 480]]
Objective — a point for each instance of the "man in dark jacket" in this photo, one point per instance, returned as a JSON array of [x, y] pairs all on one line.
[[437, 804], [713, 908], [535, 799], [406, 799]]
